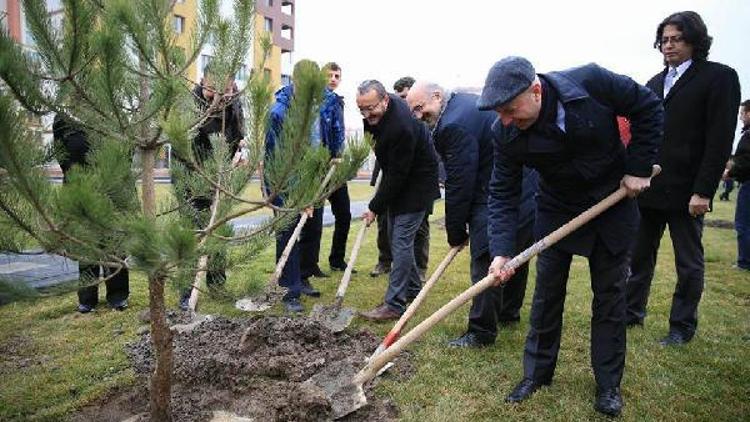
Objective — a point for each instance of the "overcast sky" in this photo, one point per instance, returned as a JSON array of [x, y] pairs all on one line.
[[455, 43]]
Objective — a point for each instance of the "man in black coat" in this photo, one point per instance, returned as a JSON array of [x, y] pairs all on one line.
[[226, 119], [408, 188], [463, 137], [700, 101], [73, 142], [564, 125], [739, 170]]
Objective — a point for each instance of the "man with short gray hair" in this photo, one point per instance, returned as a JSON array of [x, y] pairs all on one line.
[[407, 190], [463, 137]]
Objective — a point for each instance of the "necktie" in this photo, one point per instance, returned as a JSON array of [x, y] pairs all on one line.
[[670, 80]]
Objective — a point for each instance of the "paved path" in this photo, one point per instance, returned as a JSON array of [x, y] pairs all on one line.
[[39, 270]]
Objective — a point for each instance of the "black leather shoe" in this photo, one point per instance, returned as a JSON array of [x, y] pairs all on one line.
[[308, 289], [673, 339], [608, 401], [472, 340], [524, 390], [380, 269], [293, 305], [341, 267], [119, 305], [318, 273], [84, 309]]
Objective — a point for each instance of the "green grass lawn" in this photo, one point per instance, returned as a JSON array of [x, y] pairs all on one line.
[[53, 360]]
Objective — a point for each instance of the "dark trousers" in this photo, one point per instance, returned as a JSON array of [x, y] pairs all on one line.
[[118, 288], [340, 207], [497, 304], [742, 226], [290, 276], [686, 233], [403, 281], [421, 243], [608, 274], [309, 244]]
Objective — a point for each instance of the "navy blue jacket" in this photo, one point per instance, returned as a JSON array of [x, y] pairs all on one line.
[[332, 132], [463, 138], [583, 167], [407, 159]]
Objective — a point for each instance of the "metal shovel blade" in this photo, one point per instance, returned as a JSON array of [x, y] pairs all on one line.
[[333, 317], [336, 381]]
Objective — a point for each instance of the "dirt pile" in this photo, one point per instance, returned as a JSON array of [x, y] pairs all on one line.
[[262, 379]]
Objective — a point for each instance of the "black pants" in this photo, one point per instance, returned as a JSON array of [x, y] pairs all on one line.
[[340, 207], [118, 288], [686, 233], [421, 243], [498, 304], [608, 274], [309, 244]]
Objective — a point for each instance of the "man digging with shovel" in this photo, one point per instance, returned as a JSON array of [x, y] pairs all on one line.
[[563, 124]]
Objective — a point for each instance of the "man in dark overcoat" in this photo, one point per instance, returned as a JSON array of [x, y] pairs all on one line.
[[564, 125], [700, 104], [463, 137]]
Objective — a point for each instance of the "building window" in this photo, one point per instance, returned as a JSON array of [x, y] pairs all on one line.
[[180, 1], [268, 24], [179, 24], [205, 61], [242, 74], [287, 32], [287, 8], [269, 3]]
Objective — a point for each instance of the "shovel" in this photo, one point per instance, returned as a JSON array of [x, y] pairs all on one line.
[[273, 291], [346, 391], [412, 309], [334, 317]]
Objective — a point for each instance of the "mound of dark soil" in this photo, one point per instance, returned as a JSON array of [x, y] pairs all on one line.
[[262, 379]]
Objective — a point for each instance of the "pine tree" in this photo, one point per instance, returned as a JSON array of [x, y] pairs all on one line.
[[114, 69]]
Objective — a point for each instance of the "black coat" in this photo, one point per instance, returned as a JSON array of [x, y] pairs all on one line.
[[583, 167], [228, 120], [740, 170], [463, 138], [72, 141], [700, 114], [407, 159]]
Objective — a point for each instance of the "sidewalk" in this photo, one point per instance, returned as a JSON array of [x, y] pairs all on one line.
[[39, 270]]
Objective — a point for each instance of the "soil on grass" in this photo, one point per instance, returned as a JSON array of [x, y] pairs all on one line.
[[261, 379]]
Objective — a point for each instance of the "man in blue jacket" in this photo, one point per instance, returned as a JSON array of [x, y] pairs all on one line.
[[463, 137], [564, 125], [332, 135], [293, 277]]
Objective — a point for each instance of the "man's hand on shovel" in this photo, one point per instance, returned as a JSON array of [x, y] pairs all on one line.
[[635, 185], [368, 217], [499, 272]]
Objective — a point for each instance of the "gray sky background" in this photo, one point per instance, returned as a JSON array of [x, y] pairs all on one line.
[[455, 43]]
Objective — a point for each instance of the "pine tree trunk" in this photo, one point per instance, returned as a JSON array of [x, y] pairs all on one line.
[[161, 336]]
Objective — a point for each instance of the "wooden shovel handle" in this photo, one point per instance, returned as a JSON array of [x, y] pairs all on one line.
[[373, 366], [412, 309], [297, 230], [344, 284]]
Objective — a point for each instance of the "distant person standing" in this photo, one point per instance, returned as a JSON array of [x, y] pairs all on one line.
[[74, 143], [740, 171], [332, 136], [700, 100]]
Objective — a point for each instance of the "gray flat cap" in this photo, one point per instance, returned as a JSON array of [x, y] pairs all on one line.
[[505, 80]]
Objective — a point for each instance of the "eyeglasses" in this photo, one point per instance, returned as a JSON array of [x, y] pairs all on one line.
[[674, 39], [369, 109]]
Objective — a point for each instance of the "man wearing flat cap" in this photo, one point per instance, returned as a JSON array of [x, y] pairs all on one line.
[[564, 125]]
